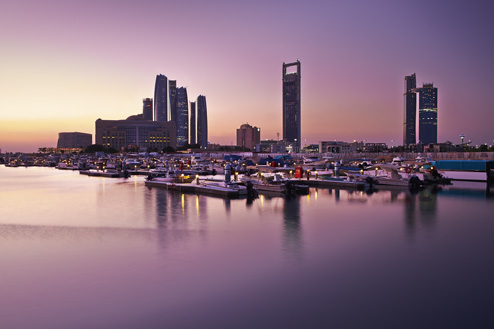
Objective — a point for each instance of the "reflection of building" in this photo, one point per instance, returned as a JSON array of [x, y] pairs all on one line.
[[428, 114], [291, 105], [182, 118], [147, 109], [248, 136], [161, 99], [74, 140], [135, 132], [410, 113], [192, 124], [292, 235], [202, 122]]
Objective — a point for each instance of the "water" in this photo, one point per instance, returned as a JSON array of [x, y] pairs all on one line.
[[90, 252]]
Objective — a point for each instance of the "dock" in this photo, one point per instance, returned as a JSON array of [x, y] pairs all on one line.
[[102, 173], [330, 183], [195, 188]]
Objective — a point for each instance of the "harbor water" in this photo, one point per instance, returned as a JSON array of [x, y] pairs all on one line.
[[94, 252]]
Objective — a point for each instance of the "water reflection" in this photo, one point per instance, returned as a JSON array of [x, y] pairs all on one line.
[[420, 211], [292, 235]]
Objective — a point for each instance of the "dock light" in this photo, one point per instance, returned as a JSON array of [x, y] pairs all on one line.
[[376, 170], [197, 179], [316, 174], [361, 171]]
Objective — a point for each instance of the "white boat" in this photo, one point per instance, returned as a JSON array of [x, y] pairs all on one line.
[[224, 186]]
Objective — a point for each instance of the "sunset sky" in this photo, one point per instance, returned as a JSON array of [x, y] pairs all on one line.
[[67, 63]]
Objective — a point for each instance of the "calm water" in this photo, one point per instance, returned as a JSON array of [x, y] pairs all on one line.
[[88, 252]]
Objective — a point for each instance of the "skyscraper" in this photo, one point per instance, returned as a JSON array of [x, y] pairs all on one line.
[[173, 100], [202, 122], [147, 109], [182, 117], [161, 99], [291, 104], [410, 113], [428, 114], [192, 124]]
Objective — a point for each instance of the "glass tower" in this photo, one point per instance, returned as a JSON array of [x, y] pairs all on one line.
[[147, 109], [182, 118], [428, 114], [410, 113], [161, 99], [192, 124], [291, 104], [202, 122], [173, 100]]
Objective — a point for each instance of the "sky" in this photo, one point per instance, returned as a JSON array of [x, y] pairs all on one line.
[[64, 64]]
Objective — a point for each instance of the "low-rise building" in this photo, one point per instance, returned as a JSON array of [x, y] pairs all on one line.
[[68, 140], [136, 133]]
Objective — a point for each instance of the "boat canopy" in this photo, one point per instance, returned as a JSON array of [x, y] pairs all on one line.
[[464, 165]]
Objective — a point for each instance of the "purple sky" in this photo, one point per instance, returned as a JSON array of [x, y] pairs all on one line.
[[67, 63]]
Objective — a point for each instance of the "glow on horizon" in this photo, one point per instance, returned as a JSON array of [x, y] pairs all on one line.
[[66, 64]]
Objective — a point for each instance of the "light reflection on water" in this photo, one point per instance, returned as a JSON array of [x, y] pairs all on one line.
[[87, 252]]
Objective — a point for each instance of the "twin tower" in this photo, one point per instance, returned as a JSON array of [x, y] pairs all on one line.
[[191, 129], [427, 113]]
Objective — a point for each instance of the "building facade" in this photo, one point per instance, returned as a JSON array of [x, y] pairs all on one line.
[[173, 100], [147, 109], [410, 111], [74, 140], [182, 117], [202, 122], [428, 114], [132, 133], [192, 124], [336, 147], [291, 104], [161, 98], [248, 136]]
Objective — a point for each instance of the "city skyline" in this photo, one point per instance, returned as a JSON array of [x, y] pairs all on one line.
[[67, 64]]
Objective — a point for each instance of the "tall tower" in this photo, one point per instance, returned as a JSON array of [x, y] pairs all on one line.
[[428, 114], [161, 99], [291, 104], [173, 100], [410, 113], [182, 118], [202, 122], [192, 124], [147, 109]]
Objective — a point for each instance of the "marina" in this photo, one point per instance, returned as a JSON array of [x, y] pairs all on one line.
[[155, 251]]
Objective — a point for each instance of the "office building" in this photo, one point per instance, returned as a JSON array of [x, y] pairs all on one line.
[[291, 104], [192, 124], [147, 109], [74, 140], [248, 136], [428, 114], [173, 100], [161, 98], [202, 122], [182, 117], [136, 133], [410, 112]]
